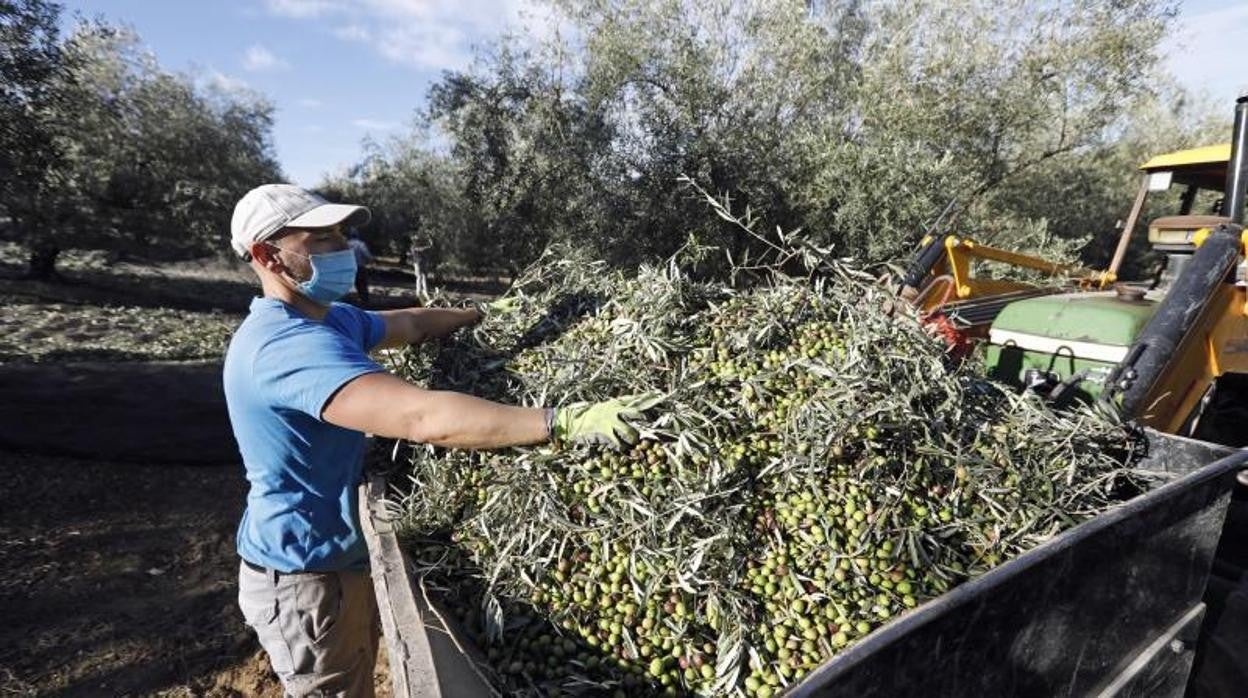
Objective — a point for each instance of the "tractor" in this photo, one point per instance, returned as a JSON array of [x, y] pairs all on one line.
[[1171, 350]]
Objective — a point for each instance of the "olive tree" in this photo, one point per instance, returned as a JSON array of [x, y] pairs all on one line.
[[527, 156], [416, 197], [32, 64], [861, 123], [138, 159], [956, 102]]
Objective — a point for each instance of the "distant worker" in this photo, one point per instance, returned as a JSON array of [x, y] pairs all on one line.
[[363, 256], [302, 391], [417, 252]]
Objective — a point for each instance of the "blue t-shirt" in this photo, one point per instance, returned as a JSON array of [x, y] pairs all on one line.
[[281, 368]]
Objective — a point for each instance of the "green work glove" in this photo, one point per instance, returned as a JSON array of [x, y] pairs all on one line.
[[498, 306], [602, 422]]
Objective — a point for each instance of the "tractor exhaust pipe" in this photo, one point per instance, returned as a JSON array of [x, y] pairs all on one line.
[[1213, 264], [1237, 168]]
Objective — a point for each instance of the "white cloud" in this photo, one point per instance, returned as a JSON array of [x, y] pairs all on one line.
[[259, 58], [374, 124], [425, 34], [422, 45], [310, 103], [226, 83], [302, 9], [353, 32], [1205, 51]]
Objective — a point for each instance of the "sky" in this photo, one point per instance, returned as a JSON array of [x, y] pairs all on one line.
[[339, 71]]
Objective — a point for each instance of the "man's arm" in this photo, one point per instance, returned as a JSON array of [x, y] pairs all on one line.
[[416, 325], [388, 406]]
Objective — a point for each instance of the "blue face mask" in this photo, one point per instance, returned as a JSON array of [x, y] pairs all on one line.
[[333, 275]]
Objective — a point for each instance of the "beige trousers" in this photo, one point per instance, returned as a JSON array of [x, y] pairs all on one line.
[[320, 629]]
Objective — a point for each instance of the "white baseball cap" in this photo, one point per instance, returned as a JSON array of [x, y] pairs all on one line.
[[265, 210]]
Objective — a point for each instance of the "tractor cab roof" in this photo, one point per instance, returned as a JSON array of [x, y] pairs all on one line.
[[1204, 167]]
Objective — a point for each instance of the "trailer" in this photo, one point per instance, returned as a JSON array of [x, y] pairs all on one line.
[[1112, 607]]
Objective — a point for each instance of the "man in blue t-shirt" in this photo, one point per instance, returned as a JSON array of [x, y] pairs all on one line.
[[302, 392]]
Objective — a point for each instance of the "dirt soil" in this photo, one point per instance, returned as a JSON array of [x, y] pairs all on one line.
[[120, 579]]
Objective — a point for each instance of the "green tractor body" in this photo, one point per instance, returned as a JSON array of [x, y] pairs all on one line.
[[1072, 339]]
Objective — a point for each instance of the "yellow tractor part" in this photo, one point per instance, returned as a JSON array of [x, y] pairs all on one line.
[[960, 284], [1203, 167], [1217, 344], [952, 279], [1218, 154]]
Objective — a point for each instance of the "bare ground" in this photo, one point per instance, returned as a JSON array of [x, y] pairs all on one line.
[[121, 579]]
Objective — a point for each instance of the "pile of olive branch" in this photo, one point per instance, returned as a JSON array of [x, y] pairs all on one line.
[[816, 468]]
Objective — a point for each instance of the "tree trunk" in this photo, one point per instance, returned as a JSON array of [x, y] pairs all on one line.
[[43, 262]]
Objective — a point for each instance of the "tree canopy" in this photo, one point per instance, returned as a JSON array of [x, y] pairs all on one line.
[[105, 149], [860, 122]]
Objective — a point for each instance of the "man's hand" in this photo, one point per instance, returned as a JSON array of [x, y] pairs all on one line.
[[602, 422]]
